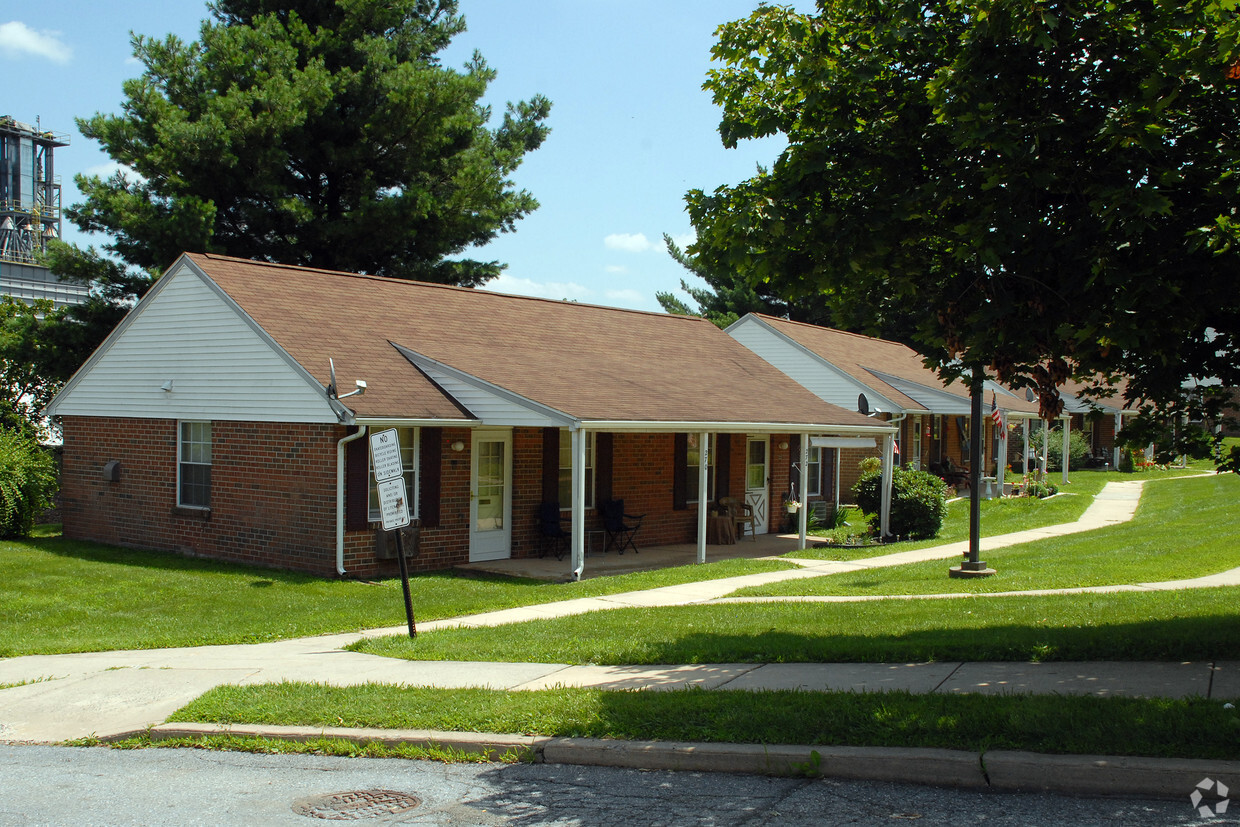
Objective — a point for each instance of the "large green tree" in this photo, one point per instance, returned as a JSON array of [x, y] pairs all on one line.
[[317, 133], [729, 295], [308, 132], [1049, 184]]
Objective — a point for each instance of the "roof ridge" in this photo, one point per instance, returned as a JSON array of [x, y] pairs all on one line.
[[452, 287], [836, 330]]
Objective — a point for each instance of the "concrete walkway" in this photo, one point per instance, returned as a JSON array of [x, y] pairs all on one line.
[[112, 694]]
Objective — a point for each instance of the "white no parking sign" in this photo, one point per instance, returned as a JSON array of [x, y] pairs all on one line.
[[389, 479]]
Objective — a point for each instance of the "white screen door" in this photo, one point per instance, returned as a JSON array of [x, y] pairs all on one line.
[[490, 501], [756, 475]]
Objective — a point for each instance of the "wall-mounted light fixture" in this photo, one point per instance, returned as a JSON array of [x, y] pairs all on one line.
[[783, 446], [458, 446], [166, 387]]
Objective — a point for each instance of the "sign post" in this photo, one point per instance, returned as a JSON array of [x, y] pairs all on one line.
[[393, 502]]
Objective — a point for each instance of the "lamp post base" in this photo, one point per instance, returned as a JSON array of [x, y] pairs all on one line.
[[971, 569]]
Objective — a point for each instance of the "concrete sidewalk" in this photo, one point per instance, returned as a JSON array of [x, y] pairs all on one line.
[[112, 694]]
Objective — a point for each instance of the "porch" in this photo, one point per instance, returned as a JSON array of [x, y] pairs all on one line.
[[598, 564]]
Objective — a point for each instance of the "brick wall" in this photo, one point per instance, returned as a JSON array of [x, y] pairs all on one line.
[[273, 494], [272, 491]]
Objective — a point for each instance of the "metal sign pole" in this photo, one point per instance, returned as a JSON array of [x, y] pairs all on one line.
[[404, 584], [390, 485]]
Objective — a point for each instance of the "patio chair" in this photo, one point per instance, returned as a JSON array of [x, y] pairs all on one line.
[[551, 527], [741, 513], [620, 527]]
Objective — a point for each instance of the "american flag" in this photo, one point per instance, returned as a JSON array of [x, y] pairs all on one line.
[[995, 413]]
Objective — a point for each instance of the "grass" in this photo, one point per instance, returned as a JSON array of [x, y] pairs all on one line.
[[1183, 528], [1195, 728], [998, 516], [67, 596], [1175, 625]]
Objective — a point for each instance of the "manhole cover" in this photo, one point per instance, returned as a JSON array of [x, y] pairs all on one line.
[[355, 805]]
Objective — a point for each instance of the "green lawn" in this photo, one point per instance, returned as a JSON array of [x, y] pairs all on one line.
[[1192, 728], [1183, 528], [65, 596], [999, 516], [1180, 625]]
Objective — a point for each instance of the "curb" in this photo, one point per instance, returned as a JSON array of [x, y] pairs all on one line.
[[999, 770]]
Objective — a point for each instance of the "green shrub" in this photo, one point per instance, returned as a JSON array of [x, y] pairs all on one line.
[[918, 502], [27, 483], [1078, 448]]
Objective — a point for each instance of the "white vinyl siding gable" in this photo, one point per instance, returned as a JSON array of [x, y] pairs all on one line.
[[815, 374], [215, 365]]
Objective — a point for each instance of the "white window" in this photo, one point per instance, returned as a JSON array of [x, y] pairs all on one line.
[[408, 438], [692, 461], [194, 465], [915, 456], [815, 472], [566, 470]]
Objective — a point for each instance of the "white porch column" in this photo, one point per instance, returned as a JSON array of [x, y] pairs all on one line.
[[884, 518], [578, 447], [703, 493], [1119, 424], [803, 488], [1002, 453], [1067, 427]]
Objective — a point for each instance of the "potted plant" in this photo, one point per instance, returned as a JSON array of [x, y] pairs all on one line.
[[791, 504]]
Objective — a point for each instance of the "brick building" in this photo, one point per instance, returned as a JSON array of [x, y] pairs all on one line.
[[891, 382], [210, 422]]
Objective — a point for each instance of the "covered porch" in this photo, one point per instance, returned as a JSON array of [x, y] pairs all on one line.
[[648, 558]]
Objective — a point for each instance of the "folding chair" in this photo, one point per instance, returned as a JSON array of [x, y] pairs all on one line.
[[742, 513], [551, 526], [619, 526]]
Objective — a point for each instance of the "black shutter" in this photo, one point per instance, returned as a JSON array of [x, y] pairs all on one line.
[[680, 481], [357, 484], [430, 480], [551, 466], [723, 465], [604, 448]]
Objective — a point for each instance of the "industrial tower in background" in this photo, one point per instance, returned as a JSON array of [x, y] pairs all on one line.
[[30, 213]]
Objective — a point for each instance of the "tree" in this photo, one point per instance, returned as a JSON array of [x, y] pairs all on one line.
[[1050, 184], [312, 133], [730, 295]]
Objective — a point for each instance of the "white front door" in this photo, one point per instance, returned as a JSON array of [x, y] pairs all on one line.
[[757, 472], [490, 496]]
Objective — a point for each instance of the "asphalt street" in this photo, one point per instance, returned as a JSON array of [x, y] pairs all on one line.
[[47, 785]]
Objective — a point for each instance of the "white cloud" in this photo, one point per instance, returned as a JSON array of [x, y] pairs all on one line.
[[542, 290], [683, 241], [615, 270], [629, 242], [19, 41], [627, 298]]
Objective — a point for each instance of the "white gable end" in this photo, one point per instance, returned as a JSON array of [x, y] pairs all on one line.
[[815, 374], [188, 353]]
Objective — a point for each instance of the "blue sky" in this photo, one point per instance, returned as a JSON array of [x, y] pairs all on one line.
[[632, 129]]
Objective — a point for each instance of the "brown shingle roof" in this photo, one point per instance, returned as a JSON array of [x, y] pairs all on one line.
[[593, 363], [862, 357]]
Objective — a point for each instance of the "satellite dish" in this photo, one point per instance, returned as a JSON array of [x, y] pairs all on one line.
[[331, 389], [863, 405], [1029, 395]]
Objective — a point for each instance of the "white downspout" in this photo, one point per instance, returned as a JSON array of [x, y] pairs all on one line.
[[340, 515], [577, 445], [703, 502], [803, 487], [1067, 428]]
